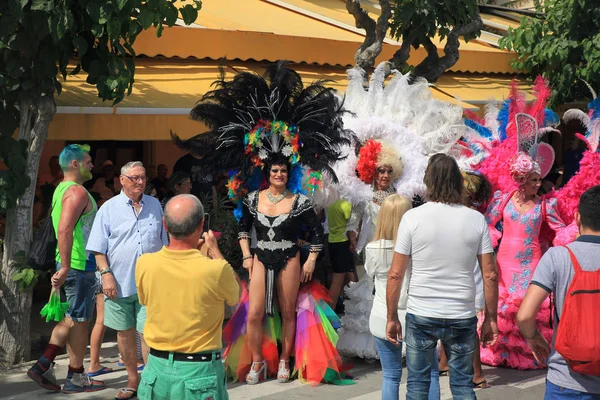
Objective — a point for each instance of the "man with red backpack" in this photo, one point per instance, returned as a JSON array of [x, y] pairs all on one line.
[[572, 275]]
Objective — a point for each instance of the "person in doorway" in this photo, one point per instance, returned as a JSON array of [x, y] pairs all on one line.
[[203, 180], [555, 274], [107, 185], [160, 181], [53, 175], [72, 215], [127, 226], [187, 287]]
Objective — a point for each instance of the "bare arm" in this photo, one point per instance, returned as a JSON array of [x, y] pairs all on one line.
[[109, 285], [528, 310], [394, 283], [101, 261], [393, 329], [490, 284], [74, 203]]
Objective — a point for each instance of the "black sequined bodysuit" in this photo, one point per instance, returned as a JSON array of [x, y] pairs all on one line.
[[277, 235]]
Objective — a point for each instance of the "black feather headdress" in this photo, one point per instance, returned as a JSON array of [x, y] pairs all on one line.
[[256, 118]]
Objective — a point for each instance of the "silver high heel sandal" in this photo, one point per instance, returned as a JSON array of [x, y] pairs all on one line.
[[253, 376], [283, 375]]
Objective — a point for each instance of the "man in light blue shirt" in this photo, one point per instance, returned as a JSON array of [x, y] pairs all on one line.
[[126, 226]]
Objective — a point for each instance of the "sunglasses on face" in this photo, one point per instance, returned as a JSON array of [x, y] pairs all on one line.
[[278, 170], [384, 171]]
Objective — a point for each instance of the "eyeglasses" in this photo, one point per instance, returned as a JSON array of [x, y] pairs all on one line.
[[137, 178], [384, 171], [277, 170]]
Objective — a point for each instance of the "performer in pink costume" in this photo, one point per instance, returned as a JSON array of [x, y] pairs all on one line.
[[521, 214]]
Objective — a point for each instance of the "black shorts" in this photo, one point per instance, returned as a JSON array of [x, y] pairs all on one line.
[[342, 260]]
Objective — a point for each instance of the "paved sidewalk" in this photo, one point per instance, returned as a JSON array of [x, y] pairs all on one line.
[[506, 384]]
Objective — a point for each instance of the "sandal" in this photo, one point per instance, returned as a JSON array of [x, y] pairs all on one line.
[[254, 376], [283, 375], [101, 371], [132, 392], [481, 385]]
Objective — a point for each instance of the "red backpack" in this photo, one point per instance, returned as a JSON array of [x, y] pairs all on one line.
[[578, 336]]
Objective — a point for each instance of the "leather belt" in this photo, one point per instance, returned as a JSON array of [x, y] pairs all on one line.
[[196, 357]]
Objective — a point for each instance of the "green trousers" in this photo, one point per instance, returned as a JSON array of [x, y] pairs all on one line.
[[164, 379]]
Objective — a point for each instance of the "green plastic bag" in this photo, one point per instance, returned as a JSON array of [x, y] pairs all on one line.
[[54, 310]]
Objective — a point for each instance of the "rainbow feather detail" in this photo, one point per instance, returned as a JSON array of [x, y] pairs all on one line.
[[317, 359]]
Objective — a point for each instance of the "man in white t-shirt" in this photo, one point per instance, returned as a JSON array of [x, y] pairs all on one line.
[[443, 239]]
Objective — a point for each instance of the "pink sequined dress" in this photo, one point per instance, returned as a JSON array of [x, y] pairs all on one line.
[[517, 258]]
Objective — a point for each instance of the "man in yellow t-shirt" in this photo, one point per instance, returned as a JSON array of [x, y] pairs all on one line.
[[340, 252], [184, 290]]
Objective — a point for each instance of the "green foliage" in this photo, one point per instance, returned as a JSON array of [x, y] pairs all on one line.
[[431, 17], [39, 39], [564, 47], [25, 276]]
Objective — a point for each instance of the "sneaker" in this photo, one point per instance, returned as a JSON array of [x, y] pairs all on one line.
[[46, 380], [80, 383]]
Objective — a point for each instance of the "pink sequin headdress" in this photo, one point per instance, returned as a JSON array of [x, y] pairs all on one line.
[[531, 157]]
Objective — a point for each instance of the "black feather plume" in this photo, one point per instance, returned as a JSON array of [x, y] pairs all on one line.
[[235, 107]]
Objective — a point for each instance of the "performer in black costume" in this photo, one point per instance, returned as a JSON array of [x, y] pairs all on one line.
[[274, 133]]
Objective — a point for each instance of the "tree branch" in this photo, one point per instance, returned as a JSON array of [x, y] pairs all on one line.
[[430, 68], [375, 32], [401, 56]]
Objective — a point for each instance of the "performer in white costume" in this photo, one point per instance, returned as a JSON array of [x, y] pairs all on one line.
[[398, 126]]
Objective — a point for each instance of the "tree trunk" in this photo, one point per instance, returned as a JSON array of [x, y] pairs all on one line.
[[15, 305]]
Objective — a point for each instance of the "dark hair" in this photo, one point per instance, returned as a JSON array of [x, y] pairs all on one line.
[[443, 180], [276, 159], [148, 189], [184, 227], [177, 178], [552, 177], [589, 208]]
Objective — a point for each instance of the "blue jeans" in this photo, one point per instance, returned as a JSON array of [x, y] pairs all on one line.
[[554, 392], [458, 338], [390, 357]]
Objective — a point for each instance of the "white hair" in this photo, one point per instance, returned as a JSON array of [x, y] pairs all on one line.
[[131, 164]]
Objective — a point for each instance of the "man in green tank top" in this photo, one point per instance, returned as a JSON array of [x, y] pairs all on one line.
[[73, 211]]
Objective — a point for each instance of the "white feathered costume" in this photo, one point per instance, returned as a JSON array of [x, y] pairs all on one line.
[[405, 118]]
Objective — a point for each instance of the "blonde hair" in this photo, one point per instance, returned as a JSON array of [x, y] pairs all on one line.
[[389, 157], [391, 212]]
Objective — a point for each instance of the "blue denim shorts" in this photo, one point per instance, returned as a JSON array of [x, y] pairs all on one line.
[[79, 290]]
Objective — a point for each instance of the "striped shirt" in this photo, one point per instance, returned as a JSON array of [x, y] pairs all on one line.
[[123, 234]]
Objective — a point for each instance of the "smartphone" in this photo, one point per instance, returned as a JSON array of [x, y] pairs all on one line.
[[206, 226]]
